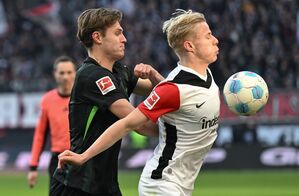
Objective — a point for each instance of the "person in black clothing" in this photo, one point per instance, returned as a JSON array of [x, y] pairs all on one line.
[[99, 98]]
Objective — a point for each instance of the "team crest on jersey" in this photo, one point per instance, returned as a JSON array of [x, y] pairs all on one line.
[[105, 84], [152, 99]]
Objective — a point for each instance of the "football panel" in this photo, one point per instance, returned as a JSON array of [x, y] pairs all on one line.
[[245, 95], [248, 81], [255, 106], [242, 108], [250, 74], [233, 109], [235, 86], [226, 87], [231, 99], [257, 92]]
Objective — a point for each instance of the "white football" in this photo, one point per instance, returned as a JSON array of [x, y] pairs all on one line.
[[245, 93]]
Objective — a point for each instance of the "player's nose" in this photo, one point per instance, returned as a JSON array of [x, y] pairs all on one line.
[[123, 39]]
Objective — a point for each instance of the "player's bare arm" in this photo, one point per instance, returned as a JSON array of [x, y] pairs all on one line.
[[148, 78], [121, 108], [114, 133]]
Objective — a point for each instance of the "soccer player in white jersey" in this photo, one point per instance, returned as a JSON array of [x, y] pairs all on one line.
[[186, 105]]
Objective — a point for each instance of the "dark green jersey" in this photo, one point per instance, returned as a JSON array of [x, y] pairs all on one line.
[[95, 89]]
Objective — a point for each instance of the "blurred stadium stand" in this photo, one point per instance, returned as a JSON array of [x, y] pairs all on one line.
[[260, 36]]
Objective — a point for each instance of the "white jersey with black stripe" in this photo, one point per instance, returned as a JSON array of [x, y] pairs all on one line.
[[187, 107]]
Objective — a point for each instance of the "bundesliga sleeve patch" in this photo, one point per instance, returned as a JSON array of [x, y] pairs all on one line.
[[151, 101], [105, 84]]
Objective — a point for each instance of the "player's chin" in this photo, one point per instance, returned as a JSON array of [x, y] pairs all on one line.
[[214, 59], [120, 55]]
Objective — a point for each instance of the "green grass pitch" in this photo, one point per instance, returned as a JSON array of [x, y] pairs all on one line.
[[209, 183]]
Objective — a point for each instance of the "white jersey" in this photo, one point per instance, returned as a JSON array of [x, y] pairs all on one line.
[[187, 108]]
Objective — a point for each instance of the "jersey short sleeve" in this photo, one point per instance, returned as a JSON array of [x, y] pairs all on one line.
[[131, 78], [102, 89], [163, 99]]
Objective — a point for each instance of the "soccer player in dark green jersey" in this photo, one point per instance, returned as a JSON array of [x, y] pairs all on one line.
[[99, 98]]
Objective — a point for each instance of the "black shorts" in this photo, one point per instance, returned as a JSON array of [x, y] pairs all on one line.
[[59, 189], [53, 165]]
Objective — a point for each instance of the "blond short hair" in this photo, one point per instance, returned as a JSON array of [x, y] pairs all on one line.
[[180, 26]]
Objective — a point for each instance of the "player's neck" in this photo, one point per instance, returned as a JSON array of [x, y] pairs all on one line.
[[64, 92], [101, 60], [197, 66]]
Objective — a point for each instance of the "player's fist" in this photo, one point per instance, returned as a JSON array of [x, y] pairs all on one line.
[[70, 157], [143, 71], [31, 178]]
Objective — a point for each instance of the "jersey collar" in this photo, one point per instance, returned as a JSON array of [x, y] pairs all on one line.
[[187, 69]]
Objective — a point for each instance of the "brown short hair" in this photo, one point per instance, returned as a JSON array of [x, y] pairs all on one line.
[[63, 59], [180, 26], [96, 20]]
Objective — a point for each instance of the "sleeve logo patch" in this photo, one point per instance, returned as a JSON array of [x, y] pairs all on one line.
[[105, 84], [151, 101]]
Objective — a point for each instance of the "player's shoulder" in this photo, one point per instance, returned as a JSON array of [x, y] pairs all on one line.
[[119, 65], [49, 96], [50, 93], [165, 83], [89, 67], [123, 70], [166, 89]]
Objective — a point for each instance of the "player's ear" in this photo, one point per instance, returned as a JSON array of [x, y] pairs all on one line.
[[188, 45], [55, 74], [97, 37]]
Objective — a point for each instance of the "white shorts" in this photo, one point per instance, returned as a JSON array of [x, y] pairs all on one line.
[[160, 187]]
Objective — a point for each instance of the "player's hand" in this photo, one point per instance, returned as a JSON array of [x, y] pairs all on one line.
[[143, 71], [69, 157], [31, 178]]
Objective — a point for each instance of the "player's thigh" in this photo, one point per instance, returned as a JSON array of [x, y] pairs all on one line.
[[59, 189], [159, 187], [52, 166], [56, 188]]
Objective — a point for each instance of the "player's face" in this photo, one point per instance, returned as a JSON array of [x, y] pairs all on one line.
[[206, 45], [65, 74], [113, 43]]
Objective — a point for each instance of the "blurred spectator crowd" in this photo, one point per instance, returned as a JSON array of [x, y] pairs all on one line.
[[253, 35]]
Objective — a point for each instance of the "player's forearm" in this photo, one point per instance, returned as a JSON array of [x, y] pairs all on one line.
[[37, 145], [39, 137], [107, 139], [155, 77], [114, 133], [149, 129]]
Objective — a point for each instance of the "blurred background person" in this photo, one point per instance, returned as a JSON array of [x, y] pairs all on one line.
[[53, 118]]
